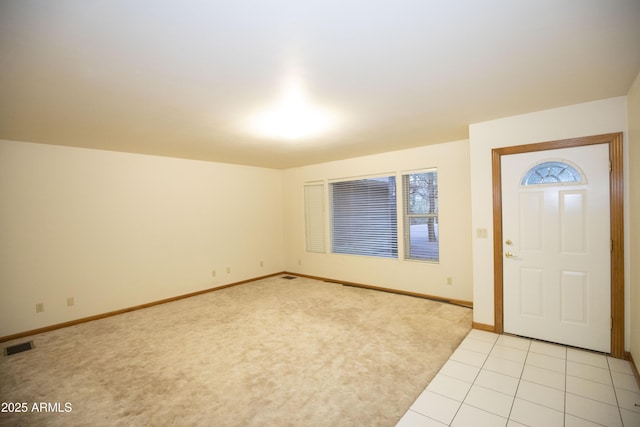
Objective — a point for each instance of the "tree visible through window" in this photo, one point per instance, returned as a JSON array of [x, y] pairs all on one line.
[[421, 216]]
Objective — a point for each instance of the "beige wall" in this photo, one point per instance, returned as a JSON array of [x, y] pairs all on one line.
[[633, 105], [593, 118], [115, 230], [452, 161]]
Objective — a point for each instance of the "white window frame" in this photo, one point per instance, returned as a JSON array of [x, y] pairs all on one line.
[[413, 249]]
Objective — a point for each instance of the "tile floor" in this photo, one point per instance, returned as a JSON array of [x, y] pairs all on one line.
[[500, 380]]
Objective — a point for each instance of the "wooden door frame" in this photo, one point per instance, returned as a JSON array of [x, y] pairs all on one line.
[[616, 194]]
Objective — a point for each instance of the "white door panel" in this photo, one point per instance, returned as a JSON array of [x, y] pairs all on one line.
[[556, 270]]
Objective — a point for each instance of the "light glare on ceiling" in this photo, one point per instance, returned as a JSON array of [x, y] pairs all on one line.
[[293, 117]]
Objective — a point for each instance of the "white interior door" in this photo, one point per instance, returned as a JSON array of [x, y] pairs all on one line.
[[556, 229]]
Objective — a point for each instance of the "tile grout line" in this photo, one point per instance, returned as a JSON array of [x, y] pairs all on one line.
[[594, 382], [524, 364], [615, 392], [609, 368], [448, 376], [566, 374], [474, 378], [495, 343], [528, 351]]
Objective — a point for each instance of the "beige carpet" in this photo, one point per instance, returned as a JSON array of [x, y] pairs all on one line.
[[273, 352]]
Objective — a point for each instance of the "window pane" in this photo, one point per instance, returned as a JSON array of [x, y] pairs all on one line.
[[423, 193], [421, 216], [423, 239], [551, 173], [363, 217]]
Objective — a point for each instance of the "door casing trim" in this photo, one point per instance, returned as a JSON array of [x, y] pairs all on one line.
[[616, 194]]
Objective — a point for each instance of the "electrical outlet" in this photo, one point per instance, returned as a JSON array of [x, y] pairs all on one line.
[[39, 307], [228, 270], [213, 273], [299, 262], [70, 302], [449, 281], [261, 263]]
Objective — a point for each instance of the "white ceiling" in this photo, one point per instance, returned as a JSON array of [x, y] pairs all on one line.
[[180, 78]]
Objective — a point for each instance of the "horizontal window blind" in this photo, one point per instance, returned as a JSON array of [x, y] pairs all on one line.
[[314, 217], [363, 217]]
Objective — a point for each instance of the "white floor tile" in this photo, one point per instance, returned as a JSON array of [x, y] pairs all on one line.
[[589, 372], [514, 342], [542, 395], [503, 366], [591, 410], [588, 358], [483, 335], [535, 415], [460, 370], [625, 382], [498, 382], [573, 421], [509, 353], [628, 400], [630, 419], [548, 362], [591, 390], [470, 416], [619, 365], [548, 349], [469, 357], [544, 377], [413, 419], [449, 387], [489, 400], [436, 406], [476, 345]]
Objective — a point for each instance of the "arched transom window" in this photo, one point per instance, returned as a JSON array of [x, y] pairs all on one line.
[[552, 172]]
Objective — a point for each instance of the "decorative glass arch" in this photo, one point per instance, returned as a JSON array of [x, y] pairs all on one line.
[[552, 172]]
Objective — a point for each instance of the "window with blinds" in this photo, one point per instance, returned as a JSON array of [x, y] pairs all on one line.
[[364, 217], [314, 217]]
